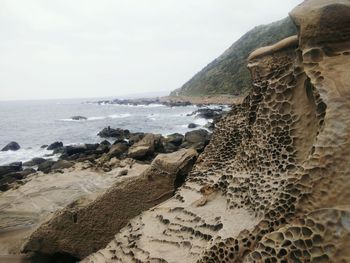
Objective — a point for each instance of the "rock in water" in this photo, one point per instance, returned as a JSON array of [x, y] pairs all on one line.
[[87, 225], [192, 126], [55, 145], [12, 146], [78, 118], [114, 133], [273, 184]]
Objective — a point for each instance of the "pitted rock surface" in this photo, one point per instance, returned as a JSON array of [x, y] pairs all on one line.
[[273, 184]]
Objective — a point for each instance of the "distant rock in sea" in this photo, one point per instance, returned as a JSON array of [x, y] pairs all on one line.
[[12, 146]]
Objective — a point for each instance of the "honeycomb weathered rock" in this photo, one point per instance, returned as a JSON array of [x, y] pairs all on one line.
[[273, 184]]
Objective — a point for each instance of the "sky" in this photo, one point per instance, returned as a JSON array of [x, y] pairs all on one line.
[[109, 48]]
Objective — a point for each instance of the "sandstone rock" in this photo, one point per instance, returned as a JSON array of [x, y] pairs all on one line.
[[123, 172], [55, 145], [135, 137], [145, 147], [273, 183], [114, 162], [87, 225], [12, 146]]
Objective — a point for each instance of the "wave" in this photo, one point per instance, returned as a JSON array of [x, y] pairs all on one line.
[[201, 121], [153, 105], [153, 116], [23, 155], [112, 116], [121, 115]]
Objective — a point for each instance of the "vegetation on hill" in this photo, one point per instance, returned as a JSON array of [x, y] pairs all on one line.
[[228, 73]]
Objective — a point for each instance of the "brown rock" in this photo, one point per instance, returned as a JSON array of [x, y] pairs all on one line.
[[145, 147], [88, 225]]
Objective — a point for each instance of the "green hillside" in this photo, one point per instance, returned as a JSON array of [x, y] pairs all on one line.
[[228, 73]]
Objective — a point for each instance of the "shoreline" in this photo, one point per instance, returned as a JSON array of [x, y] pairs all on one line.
[[177, 101]]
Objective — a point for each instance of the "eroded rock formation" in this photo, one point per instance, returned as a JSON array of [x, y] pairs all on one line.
[[273, 184], [89, 223]]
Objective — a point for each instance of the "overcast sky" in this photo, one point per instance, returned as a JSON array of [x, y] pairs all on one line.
[[82, 48]]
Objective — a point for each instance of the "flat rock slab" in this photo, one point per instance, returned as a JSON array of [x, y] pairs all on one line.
[[25, 208]]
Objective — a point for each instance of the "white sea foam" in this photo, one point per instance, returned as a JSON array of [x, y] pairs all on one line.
[[23, 155], [96, 118], [121, 115], [201, 121]]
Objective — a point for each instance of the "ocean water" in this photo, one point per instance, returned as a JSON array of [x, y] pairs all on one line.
[[35, 123]]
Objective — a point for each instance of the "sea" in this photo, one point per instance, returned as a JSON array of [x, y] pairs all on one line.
[[35, 123]]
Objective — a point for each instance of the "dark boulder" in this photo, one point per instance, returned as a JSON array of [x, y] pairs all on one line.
[[83, 148], [207, 113], [118, 150], [197, 139], [55, 145], [169, 147], [196, 136], [12, 146], [113, 133], [46, 166], [175, 138], [61, 164], [44, 146], [192, 126], [27, 172], [34, 161], [78, 118], [10, 168], [105, 142]]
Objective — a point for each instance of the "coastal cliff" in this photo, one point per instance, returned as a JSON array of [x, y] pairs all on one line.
[[228, 73], [273, 184]]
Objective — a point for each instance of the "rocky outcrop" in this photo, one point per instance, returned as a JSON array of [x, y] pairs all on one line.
[[25, 207], [273, 183], [90, 223], [12, 146]]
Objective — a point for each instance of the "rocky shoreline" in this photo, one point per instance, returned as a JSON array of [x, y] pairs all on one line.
[[176, 101], [122, 157], [118, 144]]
